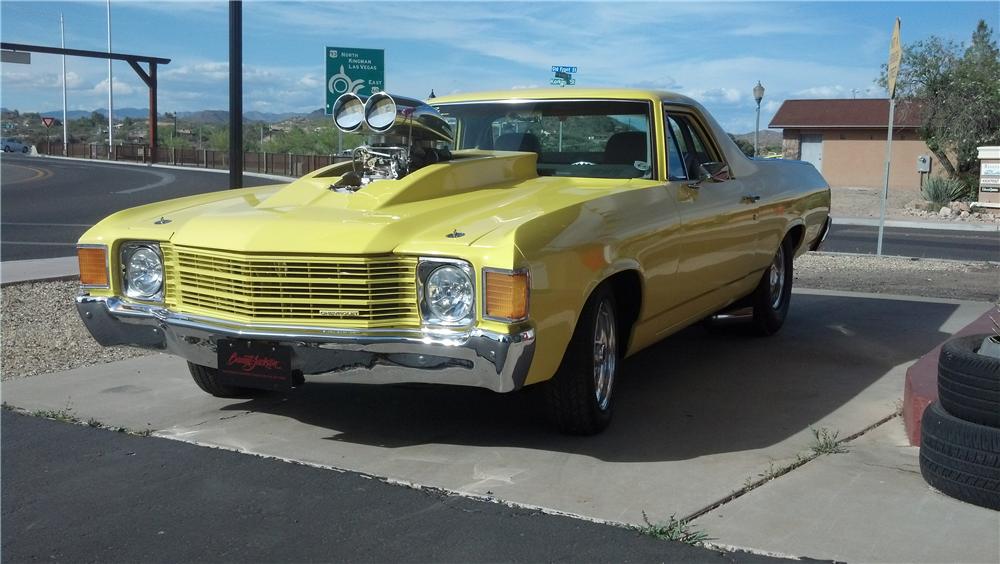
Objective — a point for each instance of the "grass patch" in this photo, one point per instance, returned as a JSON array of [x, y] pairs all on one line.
[[673, 530], [826, 442]]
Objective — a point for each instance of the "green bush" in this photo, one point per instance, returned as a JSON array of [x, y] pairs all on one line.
[[942, 191]]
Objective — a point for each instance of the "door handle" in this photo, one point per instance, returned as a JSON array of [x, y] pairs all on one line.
[[750, 199]]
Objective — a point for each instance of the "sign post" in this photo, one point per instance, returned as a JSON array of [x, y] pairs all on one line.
[[895, 57], [359, 71], [47, 122]]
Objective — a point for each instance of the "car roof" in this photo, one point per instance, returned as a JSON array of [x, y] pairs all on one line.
[[566, 93]]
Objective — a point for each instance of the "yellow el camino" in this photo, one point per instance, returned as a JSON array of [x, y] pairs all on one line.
[[497, 240]]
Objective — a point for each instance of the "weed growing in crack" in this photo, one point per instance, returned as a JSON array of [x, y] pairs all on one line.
[[673, 530], [826, 442]]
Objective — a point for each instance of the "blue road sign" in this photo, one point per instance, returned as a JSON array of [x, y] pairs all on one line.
[[557, 68]]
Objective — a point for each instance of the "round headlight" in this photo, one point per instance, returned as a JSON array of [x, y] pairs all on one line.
[[449, 294], [143, 273]]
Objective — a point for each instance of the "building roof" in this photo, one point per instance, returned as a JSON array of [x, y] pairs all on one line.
[[864, 113]]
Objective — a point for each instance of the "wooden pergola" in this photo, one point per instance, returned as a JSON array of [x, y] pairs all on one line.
[[147, 76]]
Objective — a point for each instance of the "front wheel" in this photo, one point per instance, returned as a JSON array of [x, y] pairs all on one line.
[[24, 150], [774, 292], [579, 397]]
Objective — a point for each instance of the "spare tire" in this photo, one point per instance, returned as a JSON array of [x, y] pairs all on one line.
[[960, 458], [968, 382]]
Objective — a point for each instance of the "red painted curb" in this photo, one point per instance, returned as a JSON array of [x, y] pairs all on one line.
[[921, 380]]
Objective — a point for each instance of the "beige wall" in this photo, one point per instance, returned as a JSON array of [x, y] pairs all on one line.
[[856, 157]]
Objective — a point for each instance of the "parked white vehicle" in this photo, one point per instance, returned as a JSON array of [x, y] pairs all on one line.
[[13, 145]]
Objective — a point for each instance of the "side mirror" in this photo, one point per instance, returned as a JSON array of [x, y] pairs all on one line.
[[714, 171]]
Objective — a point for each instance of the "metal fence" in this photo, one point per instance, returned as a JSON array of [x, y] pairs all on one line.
[[283, 164]]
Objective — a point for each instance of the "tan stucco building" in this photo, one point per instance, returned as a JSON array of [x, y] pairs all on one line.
[[845, 140]]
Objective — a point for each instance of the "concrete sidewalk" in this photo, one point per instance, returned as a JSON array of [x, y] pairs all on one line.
[[698, 417], [907, 224], [13, 271]]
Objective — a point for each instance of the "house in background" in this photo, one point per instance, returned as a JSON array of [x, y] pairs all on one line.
[[845, 140]]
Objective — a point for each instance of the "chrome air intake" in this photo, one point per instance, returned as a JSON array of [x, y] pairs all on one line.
[[406, 134]]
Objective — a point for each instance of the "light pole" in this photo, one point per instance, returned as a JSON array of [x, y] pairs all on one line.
[[758, 94]]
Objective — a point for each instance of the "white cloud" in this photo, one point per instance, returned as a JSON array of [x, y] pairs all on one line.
[[121, 87], [33, 80]]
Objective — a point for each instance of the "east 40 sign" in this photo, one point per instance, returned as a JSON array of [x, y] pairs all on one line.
[[361, 71]]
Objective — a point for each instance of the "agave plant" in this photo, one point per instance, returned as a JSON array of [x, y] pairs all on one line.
[[941, 191]]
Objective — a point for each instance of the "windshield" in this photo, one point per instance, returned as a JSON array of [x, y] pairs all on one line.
[[593, 139]]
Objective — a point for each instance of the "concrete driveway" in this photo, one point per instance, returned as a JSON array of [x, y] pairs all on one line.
[[697, 417]]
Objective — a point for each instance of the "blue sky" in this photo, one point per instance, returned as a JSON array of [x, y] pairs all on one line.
[[713, 51]]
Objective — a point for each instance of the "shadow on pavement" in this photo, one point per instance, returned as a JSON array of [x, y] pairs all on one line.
[[694, 394]]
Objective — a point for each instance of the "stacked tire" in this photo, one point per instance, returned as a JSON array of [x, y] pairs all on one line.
[[960, 433]]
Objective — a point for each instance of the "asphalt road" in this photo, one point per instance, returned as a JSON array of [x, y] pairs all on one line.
[[922, 243], [79, 494], [46, 204]]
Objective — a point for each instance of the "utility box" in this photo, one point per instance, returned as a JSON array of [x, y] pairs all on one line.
[[989, 175], [923, 164]]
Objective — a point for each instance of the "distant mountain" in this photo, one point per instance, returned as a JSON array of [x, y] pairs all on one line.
[[768, 137], [120, 113], [203, 116], [206, 116]]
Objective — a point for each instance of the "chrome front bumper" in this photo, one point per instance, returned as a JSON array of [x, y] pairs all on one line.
[[484, 359]]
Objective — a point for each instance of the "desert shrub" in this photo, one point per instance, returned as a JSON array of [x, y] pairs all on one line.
[[941, 191]]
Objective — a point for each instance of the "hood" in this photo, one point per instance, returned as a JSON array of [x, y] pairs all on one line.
[[474, 194]]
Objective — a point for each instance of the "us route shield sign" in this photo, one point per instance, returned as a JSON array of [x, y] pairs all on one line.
[[361, 71]]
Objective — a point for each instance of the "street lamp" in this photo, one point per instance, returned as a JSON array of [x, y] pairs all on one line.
[[758, 94]]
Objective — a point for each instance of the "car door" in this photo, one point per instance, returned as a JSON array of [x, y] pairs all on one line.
[[718, 232]]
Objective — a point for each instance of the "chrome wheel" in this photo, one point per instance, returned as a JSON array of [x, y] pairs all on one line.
[[605, 354], [776, 279]]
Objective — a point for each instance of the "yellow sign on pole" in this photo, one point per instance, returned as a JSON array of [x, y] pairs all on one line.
[[895, 56]]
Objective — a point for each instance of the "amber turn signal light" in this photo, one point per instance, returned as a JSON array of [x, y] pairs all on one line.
[[93, 266], [506, 295]]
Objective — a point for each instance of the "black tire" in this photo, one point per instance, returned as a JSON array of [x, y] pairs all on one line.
[[6, 148], [571, 395], [959, 458], [969, 383], [24, 150], [769, 308], [206, 379]]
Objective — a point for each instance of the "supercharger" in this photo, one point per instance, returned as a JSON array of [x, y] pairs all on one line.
[[404, 135]]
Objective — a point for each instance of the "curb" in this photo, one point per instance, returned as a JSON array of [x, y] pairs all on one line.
[[38, 270], [905, 224], [171, 167], [920, 388]]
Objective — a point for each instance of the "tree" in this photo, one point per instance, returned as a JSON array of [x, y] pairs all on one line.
[[744, 145], [958, 93]]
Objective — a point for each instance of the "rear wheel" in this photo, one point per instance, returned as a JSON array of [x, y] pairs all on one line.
[[774, 292], [580, 395], [207, 380]]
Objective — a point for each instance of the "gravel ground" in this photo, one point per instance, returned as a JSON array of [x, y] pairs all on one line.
[[932, 278], [867, 202], [41, 331]]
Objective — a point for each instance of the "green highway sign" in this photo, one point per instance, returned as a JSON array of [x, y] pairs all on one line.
[[361, 71]]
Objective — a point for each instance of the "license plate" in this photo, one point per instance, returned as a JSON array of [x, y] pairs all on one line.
[[252, 364]]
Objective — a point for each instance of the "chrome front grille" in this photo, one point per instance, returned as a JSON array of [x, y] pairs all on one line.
[[322, 290]]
